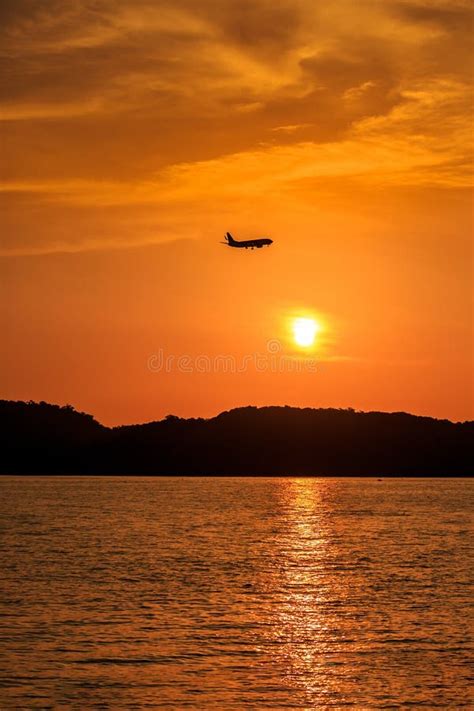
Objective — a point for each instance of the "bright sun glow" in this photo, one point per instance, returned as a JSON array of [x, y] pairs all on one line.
[[304, 331]]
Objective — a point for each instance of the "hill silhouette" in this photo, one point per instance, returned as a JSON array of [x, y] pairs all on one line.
[[39, 438]]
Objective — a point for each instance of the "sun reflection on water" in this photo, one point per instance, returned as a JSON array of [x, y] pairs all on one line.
[[300, 623], [307, 632]]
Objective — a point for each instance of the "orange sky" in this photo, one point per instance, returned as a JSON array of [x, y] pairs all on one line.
[[135, 133]]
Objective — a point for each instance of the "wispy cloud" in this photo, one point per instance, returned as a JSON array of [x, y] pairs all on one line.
[[184, 103], [408, 146]]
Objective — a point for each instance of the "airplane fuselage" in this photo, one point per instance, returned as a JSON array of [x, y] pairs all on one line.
[[252, 243], [248, 243]]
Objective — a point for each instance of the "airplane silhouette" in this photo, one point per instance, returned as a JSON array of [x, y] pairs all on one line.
[[247, 244]]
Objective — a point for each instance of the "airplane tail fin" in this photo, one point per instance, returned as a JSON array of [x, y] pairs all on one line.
[[229, 237]]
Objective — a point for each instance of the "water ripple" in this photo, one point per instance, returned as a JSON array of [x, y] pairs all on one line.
[[231, 593]]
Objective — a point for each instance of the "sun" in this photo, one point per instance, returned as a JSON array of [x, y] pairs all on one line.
[[304, 331]]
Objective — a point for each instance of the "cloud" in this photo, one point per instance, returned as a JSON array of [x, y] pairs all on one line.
[[120, 103], [408, 146], [205, 58]]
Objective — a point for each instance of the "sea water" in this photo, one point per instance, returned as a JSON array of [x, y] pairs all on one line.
[[235, 593]]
